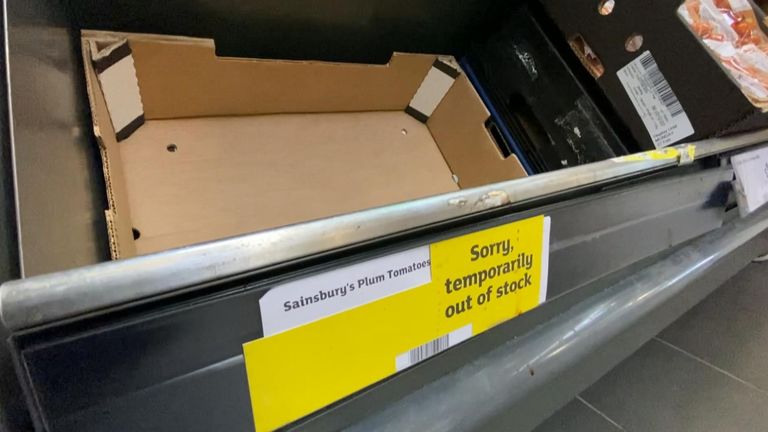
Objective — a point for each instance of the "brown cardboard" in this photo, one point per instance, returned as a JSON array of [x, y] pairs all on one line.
[[116, 72], [454, 124], [260, 172], [188, 80], [232, 146], [118, 214]]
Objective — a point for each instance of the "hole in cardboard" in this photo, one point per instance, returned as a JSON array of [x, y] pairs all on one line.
[[404, 131], [498, 138], [172, 148], [136, 233], [588, 58], [634, 42], [605, 7]]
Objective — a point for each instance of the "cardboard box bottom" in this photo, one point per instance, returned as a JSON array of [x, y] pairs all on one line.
[[200, 179]]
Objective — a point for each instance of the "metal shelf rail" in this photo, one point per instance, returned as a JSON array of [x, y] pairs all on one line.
[[37, 300]]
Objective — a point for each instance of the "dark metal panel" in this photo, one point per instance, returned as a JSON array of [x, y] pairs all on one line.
[[182, 404], [365, 31], [174, 349], [9, 253], [138, 358], [639, 222], [47, 298], [14, 414]]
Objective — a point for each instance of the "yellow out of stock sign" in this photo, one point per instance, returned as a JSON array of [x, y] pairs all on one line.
[[332, 334]]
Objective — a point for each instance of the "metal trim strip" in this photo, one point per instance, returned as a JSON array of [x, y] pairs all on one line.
[[45, 298]]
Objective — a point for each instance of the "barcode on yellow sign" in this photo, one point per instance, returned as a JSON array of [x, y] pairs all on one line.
[[435, 346]]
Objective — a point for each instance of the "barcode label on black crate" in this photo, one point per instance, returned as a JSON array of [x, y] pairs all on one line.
[[660, 85], [655, 101], [435, 346]]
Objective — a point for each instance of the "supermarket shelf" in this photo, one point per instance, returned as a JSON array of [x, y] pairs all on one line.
[[635, 241], [184, 352]]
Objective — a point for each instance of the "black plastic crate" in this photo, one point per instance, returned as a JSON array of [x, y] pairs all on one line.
[[541, 109]]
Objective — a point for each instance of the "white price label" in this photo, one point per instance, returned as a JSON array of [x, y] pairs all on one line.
[[306, 300], [751, 182], [655, 102]]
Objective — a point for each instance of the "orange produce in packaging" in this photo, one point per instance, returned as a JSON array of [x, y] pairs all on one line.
[[731, 31]]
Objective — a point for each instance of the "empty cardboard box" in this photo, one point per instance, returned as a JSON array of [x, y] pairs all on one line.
[[197, 147]]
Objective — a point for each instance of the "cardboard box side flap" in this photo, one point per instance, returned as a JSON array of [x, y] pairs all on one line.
[[214, 86], [458, 125], [118, 214]]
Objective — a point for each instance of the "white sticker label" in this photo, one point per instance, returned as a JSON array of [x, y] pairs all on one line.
[[655, 102], [740, 5], [121, 92], [751, 182], [431, 91], [306, 300], [433, 347]]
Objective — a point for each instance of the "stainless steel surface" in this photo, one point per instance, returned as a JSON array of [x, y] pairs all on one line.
[[9, 254], [13, 415], [58, 182], [661, 389], [590, 239], [11, 149], [184, 339], [44, 298], [712, 146], [516, 375], [41, 298]]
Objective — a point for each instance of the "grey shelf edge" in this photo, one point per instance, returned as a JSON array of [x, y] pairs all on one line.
[[542, 370], [42, 299]]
